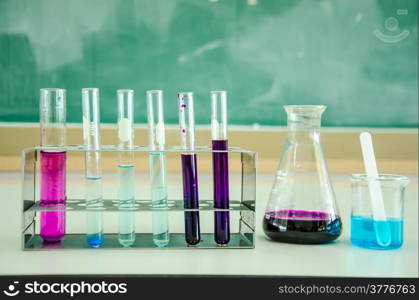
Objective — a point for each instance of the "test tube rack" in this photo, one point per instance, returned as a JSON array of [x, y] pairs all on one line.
[[242, 202]]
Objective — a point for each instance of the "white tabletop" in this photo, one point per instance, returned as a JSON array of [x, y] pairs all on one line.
[[268, 258]]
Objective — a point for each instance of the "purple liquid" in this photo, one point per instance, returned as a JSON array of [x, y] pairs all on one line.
[[191, 198], [221, 192], [301, 226], [53, 174]]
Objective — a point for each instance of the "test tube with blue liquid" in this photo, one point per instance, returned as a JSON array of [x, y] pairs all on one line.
[[189, 167], [220, 166], [157, 159], [93, 172], [126, 168]]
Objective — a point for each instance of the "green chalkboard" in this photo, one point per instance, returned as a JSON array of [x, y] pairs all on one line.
[[358, 57]]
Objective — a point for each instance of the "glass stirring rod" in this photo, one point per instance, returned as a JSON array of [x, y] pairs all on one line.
[[158, 167], [91, 137], [189, 167], [126, 168], [220, 166]]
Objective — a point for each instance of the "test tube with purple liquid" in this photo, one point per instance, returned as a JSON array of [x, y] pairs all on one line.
[[189, 167], [53, 164], [220, 166]]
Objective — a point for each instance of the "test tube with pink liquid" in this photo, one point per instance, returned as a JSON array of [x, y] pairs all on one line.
[[52, 163]]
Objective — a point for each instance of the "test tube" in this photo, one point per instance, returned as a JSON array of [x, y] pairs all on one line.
[[52, 108], [158, 168], [220, 166], [126, 168], [189, 167], [93, 172]]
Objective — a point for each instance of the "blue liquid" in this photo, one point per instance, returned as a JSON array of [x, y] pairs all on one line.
[[95, 240], [94, 202], [363, 233], [126, 236]]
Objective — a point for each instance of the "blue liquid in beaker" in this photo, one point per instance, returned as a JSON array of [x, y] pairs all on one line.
[[363, 232]]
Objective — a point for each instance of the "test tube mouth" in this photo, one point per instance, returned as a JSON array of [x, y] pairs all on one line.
[[218, 92], [125, 91], [57, 92], [185, 93], [186, 120], [155, 119], [381, 178], [48, 90], [218, 115], [52, 116], [154, 92], [90, 92]]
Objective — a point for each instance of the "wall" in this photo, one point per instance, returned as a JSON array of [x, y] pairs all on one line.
[[358, 57]]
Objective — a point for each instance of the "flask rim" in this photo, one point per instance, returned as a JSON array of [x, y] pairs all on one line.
[[305, 108]]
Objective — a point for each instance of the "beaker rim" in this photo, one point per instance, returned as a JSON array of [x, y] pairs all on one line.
[[381, 177]]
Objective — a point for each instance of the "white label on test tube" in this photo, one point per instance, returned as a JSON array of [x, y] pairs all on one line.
[[124, 129], [86, 128], [215, 130], [160, 138]]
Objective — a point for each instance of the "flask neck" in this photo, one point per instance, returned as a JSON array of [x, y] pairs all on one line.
[[303, 135], [304, 122]]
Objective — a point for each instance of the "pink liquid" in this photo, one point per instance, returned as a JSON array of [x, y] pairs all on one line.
[[301, 226], [53, 174]]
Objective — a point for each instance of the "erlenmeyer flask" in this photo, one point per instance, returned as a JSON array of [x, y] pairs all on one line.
[[302, 207]]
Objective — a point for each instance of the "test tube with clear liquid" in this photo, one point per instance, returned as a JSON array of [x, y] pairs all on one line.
[[189, 167], [126, 168], [220, 166], [52, 108], [93, 171], [160, 222]]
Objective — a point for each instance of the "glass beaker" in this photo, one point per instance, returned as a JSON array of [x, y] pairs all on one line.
[[363, 226], [302, 207]]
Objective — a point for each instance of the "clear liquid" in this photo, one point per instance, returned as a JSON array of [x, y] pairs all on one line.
[[159, 199], [94, 202], [126, 232], [363, 232]]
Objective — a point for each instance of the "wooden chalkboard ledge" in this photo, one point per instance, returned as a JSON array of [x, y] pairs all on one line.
[[396, 149]]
